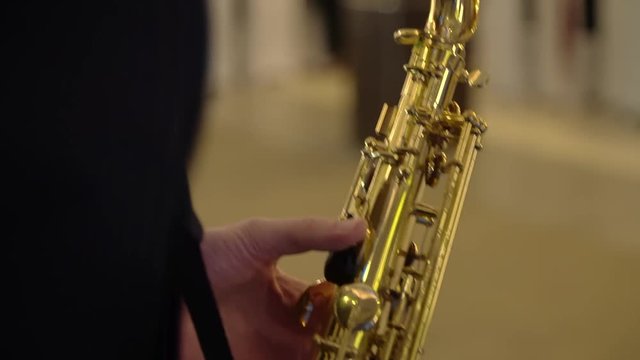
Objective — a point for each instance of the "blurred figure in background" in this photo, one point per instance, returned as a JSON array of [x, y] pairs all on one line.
[[332, 19]]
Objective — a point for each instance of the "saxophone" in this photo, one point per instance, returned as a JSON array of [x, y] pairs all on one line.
[[384, 290]]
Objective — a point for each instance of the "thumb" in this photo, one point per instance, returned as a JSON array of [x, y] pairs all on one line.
[[269, 239]]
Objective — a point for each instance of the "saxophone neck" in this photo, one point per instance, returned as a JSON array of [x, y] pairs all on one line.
[[453, 21]]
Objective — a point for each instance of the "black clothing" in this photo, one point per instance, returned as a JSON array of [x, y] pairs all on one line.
[[99, 240], [591, 16], [332, 16]]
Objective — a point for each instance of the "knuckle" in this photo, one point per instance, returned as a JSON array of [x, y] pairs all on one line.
[[251, 226], [246, 233]]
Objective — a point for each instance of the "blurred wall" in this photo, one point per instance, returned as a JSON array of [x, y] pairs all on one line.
[[499, 52], [254, 41], [536, 48], [528, 47], [227, 43], [621, 53]]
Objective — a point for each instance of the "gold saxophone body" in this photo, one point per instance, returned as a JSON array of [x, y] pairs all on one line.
[[423, 153]]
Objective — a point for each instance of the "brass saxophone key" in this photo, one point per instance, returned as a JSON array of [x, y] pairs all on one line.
[[357, 307], [315, 304]]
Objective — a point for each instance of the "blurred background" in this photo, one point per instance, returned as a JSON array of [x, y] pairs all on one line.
[[546, 262]]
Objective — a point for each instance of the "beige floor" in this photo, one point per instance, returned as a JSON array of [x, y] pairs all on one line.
[[546, 263]]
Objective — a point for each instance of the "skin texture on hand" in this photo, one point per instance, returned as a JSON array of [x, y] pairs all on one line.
[[257, 300]]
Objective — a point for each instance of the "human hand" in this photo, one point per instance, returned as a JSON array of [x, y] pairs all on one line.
[[256, 300]]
